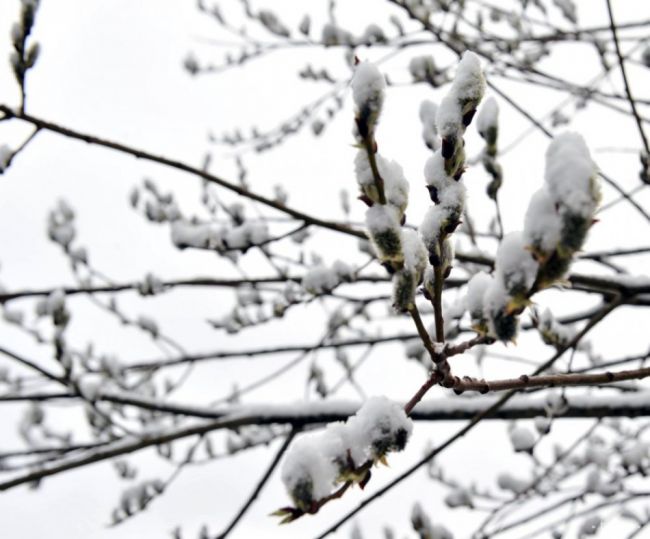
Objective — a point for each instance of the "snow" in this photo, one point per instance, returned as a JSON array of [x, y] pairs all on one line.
[[335, 35], [542, 424], [569, 175], [469, 82], [378, 427], [428, 110], [495, 303], [316, 461], [320, 279], [90, 388], [434, 220], [362, 168], [405, 280], [422, 68], [552, 331], [203, 235], [488, 116], [507, 481], [449, 116], [435, 174], [384, 229], [542, 224], [246, 235], [522, 439], [396, 186], [476, 289], [368, 86], [54, 302], [415, 253], [308, 473], [452, 196], [636, 454], [514, 265], [150, 285], [464, 96]]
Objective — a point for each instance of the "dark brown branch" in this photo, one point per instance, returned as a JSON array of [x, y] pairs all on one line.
[[178, 165], [549, 380]]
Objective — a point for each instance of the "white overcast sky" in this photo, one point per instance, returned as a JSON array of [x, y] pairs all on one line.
[[114, 69]]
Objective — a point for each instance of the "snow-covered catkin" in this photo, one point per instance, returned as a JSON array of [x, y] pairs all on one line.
[[445, 168], [368, 86], [559, 216], [406, 280], [557, 221], [318, 462], [476, 289], [488, 127], [428, 110], [385, 234]]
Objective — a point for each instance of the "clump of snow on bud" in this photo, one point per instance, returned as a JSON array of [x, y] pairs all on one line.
[[542, 224], [556, 403], [246, 235], [405, 280], [321, 278], [423, 68], [569, 175], [307, 473], [381, 426], [501, 324], [542, 424], [317, 462], [368, 86], [396, 186], [488, 116], [449, 116], [522, 439], [469, 82], [635, 455], [514, 265], [415, 253], [476, 289], [597, 453], [432, 224], [384, 229], [507, 481], [435, 174], [453, 197], [428, 110], [201, 235]]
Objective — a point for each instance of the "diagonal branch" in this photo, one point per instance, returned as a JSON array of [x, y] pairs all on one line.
[[178, 165]]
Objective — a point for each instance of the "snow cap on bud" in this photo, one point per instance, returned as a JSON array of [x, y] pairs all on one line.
[[406, 280], [476, 289], [487, 122], [384, 230], [428, 110], [368, 86]]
